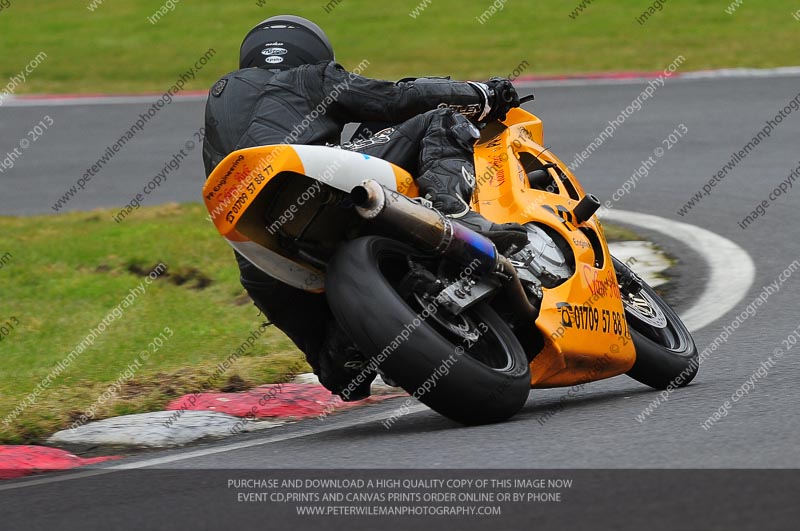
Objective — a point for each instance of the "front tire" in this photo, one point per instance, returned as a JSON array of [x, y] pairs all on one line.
[[469, 377], [665, 351]]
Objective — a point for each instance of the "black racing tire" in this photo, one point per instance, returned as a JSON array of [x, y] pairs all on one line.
[[666, 356], [489, 381]]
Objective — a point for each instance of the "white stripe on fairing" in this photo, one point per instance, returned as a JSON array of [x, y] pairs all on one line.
[[344, 169], [732, 269], [279, 267]]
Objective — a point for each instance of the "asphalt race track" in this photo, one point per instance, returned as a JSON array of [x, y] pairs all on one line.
[[597, 429]]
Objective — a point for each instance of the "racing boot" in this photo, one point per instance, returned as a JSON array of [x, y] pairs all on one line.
[[449, 184], [343, 369]]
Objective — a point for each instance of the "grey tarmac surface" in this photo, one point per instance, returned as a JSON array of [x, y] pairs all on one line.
[[598, 429]]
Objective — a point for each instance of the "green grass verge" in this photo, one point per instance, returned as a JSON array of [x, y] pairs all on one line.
[[116, 49], [616, 233], [62, 275], [67, 272]]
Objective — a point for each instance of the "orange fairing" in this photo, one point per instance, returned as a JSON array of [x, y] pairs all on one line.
[[583, 319], [239, 178], [587, 338], [237, 200], [236, 182]]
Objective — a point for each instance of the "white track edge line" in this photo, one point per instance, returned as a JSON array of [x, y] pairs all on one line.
[[156, 461], [722, 73], [732, 271]]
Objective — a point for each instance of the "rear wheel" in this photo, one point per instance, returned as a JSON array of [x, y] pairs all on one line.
[[468, 367], [665, 351]]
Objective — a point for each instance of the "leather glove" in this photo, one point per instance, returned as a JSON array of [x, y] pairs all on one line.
[[499, 96]]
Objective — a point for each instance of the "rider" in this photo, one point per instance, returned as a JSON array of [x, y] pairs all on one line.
[[287, 70]]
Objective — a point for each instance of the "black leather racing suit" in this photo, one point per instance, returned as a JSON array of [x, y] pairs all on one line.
[[310, 105]]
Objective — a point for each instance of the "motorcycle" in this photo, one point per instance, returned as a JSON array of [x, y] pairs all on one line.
[[436, 308]]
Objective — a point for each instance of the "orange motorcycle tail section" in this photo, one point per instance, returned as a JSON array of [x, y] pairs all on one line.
[[255, 195]]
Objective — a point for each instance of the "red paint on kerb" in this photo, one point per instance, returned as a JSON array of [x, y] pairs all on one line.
[[23, 460], [297, 401]]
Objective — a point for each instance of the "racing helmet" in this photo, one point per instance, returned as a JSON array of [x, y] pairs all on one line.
[[284, 41]]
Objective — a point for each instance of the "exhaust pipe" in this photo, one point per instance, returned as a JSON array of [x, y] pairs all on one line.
[[424, 227], [431, 231]]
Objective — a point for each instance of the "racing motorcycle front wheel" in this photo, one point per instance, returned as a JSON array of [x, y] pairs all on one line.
[[468, 366], [665, 351]]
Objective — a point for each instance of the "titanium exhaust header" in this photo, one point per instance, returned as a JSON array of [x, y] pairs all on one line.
[[425, 227], [431, 231]]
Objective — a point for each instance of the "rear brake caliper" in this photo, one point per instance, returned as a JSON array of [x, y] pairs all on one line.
[[442, 301], [420, 282]]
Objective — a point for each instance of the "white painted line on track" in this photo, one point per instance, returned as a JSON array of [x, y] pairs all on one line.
[[782, 71], [55, 101], [732, 273], [203, 452], [732, 270], [727, 73]]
